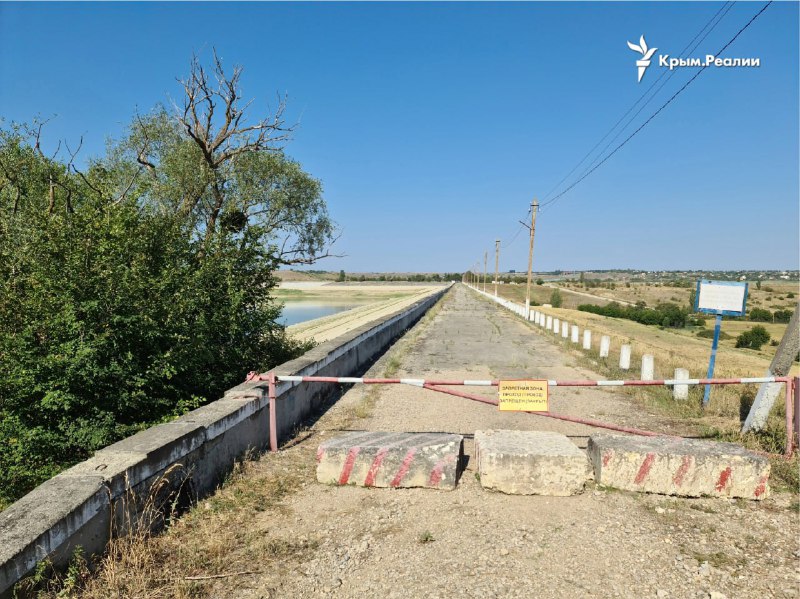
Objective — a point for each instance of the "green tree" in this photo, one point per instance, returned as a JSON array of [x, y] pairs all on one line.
[[341, 277], [140, 288], [754, 338], [555, 299], [760, 315]]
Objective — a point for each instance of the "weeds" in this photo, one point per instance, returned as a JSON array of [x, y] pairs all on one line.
[[426, 537]]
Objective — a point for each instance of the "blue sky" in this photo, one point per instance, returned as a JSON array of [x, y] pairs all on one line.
[[433, 125]]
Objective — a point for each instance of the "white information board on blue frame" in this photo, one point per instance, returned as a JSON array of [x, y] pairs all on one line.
[[726, 298]]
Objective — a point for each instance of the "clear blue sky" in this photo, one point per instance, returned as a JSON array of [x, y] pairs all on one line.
[[432, 126]]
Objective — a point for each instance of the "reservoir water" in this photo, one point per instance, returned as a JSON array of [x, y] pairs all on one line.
[[296, 312]]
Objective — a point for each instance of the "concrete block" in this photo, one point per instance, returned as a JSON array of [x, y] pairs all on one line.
[[681, 391], [564, 329], [625, 357], [587, 339], [530, 463], [605, 346], [380, 459], [675, 466], [648, 367], [549, 323], [556, 326], [575, 334]]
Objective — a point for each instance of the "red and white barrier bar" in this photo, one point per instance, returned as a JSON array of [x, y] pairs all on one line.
[[344, 380], [792, 388]]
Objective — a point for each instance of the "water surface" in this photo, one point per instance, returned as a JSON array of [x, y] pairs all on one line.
[[295, 312]]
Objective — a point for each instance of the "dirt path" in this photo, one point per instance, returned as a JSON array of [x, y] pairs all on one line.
[[361, 543]]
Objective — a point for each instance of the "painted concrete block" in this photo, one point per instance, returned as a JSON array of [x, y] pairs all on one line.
[[530, 463], [625, 357], [605, 346], [575, 334], [681, 391], [648, 367], [381, 459], [675, 466], [587, 339]]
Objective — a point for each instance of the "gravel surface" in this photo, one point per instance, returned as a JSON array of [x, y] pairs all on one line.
[[473, 543]]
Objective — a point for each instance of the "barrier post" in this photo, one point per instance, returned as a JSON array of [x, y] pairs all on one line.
[[796, 385], [273, 417], [587, 339], [574, 332], [605, 346], [681, 391], [648, 367], [791, 415], [625, 357]]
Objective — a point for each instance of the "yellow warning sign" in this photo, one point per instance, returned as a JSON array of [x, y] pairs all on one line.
[[524, 396]]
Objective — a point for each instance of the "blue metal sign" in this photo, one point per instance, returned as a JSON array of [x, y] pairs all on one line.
[[726, 298], [721, 298]]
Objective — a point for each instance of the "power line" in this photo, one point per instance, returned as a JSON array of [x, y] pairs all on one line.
[[652, 97], [644, 94], [657, 112]]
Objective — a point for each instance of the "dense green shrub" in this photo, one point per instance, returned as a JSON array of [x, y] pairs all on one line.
[[664, 314], [754, 338], [782, 315], [760, 315], [555, 299], [709, 334], [140, 289]]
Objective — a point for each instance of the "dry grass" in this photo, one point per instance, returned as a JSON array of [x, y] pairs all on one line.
[[226, 535]]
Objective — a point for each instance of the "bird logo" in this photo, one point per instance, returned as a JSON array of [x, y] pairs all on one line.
[[646, 55]]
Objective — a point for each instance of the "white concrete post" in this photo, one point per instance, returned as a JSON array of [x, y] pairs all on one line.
[[575, 333], [549, 322], [625, 357], [681, 391], [564, 329], [605, 346], [648, 367], [556, 325], [587, 339]]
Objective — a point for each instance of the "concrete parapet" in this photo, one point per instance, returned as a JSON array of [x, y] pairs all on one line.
[[380, 459], [197, 450], [675, 466], [681, 391], [530, 463]]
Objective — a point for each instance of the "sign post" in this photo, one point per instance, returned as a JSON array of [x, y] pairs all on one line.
[[721, 298]]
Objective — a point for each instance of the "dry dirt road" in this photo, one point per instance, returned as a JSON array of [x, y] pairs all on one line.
[[360, 543]]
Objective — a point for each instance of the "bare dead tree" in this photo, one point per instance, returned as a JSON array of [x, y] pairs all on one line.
[[222, 140]]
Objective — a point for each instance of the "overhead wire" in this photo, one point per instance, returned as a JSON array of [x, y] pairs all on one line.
[[657, 112], [636, 103], [652, 97]]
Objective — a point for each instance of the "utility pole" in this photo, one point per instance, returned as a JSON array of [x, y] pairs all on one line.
[[496, 264], [534, 209], [485, 258]]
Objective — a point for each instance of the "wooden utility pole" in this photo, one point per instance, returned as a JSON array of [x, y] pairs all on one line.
[[534, 209], [496, 264], [485, 258]]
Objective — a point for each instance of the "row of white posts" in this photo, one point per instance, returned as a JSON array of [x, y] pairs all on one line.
[[572, 332]]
